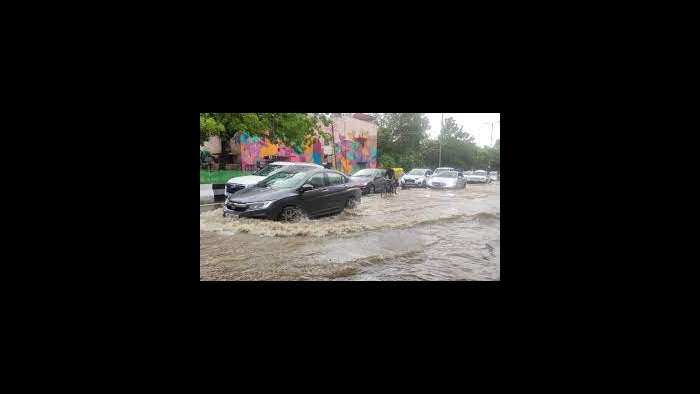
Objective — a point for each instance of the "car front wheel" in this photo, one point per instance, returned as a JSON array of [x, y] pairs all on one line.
[[353, 202], [291, 214]]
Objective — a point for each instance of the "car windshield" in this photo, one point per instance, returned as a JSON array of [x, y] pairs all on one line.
[[439, 170], [364, 173], [493, 173], [267, 170], [448, 174], [480, 172], [290, 177], [417, 172]]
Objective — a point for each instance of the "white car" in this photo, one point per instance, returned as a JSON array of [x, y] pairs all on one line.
[[443, 169], [479, 176], [417, 177], [447, 180], [493, 175], [241, 182]]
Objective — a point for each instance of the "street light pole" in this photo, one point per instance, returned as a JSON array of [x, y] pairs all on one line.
[[442, 125]]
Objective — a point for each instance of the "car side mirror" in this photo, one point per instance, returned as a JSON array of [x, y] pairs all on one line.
[[306, 187]]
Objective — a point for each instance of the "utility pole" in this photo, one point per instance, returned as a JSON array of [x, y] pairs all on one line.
[[335, 165], [442, 125]]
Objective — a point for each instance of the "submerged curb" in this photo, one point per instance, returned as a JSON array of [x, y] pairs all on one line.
[[209, 207], [212, 192]]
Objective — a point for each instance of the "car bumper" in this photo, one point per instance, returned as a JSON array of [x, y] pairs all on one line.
[[414, 184], [442, 186], [269, 213]]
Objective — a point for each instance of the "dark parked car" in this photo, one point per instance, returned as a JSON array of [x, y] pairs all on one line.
[[295, 192], [370, 180]]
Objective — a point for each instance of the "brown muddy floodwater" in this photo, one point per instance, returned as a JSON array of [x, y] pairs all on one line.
[[420, 234]]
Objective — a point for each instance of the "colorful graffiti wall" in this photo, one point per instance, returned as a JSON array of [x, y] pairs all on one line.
[[355, 147], [254, 148], [355, 144]]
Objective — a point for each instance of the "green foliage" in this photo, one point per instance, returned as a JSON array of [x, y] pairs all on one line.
[[399, 138], [402, 131], [386, 160], [403, 142], [208, 126], [291, 129]]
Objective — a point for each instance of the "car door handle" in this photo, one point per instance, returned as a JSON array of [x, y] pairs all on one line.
[[324, 190]]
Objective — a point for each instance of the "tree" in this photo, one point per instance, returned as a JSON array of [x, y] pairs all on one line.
[[453, 131], [495, 156], [208, 127], [399, 138], [291, 129], [403, 131], [458, 148], [403, 141]]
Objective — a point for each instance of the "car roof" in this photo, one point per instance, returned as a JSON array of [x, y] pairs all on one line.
[[325, 171], [294, 163], [334, 171]]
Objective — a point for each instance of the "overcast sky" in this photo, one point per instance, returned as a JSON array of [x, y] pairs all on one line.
[[478, 125]]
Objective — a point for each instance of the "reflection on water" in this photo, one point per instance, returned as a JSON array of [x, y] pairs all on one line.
[[416, 235]]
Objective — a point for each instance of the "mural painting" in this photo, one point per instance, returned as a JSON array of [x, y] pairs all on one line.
[[254, 148], [355, 144], [355, 147]]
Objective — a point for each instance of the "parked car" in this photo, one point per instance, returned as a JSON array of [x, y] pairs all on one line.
[[447, 180], [370, 180], [235, 184], [493, 175], [294, 192], [443, 169], [479, 176], [417, 177]]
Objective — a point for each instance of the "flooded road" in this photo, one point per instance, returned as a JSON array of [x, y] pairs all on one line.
[[420, 234]]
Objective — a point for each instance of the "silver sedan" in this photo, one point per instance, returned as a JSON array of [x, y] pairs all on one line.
[[479, 176], [447, 180]]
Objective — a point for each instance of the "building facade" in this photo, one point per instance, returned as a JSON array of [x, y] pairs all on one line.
[[255, 150], [355, 142], [353, 146]]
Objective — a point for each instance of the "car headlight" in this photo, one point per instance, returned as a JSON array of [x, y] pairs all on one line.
[[259, 205]]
